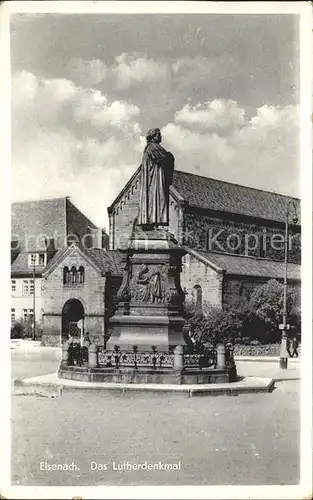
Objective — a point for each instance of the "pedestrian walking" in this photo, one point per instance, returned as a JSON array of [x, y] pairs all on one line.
[[289, 347], [295, 345]]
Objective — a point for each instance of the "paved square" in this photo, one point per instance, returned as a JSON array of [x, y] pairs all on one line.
[[248, 439]]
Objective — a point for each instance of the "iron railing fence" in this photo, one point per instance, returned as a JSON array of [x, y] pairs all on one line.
[[154, 359]]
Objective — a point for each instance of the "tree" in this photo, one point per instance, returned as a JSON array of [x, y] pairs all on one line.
[[267, 302], [213, 324], [24, 328]]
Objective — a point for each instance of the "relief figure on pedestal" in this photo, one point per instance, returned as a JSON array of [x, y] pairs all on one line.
[[139, 287], [156, 177], [148, 285], [156, 287]]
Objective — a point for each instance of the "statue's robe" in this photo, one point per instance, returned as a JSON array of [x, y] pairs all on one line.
[[156, 177]]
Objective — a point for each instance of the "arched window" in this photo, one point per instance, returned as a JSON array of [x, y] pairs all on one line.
[[73, 275], [243, 293], [66, 275], [81, 274], [197, 295]]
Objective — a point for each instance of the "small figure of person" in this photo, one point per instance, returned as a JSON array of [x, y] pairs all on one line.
[[85, 345], [70, 349], [295, 345], [289, 347]]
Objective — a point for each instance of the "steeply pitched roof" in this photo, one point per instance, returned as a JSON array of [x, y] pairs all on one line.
[[20, 267], [250, 266], [213, 194], [52, 219], [104, 260], [31, 219]]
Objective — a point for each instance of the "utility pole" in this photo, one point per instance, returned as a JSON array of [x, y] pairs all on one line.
[[34, 297], [283, 360]]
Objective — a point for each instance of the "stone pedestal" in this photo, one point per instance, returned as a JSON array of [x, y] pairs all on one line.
[[150, 300]]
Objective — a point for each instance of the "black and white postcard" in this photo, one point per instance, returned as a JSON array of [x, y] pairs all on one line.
[[156, 200]]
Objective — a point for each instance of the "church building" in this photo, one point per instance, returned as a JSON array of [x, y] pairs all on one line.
[[233, 237]]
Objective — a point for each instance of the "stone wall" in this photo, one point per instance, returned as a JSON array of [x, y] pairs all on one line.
[[212, 233], [176, 219], [91, 294], [123, 217], [195, 272], [113, 284], [240, 287]]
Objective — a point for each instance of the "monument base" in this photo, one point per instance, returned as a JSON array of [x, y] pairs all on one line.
[[145, 332], [150, 300], [151, 367], [148, 376]]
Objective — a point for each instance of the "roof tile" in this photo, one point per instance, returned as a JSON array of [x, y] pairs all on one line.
[[252, 266], [217, 195]]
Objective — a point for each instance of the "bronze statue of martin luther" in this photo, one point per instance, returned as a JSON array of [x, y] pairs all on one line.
[[156, 177]]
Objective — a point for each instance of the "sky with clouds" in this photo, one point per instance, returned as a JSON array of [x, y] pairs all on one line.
[[86, 88]]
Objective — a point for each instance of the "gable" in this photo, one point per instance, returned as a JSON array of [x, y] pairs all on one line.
[[216, 195], [71, 256], [101, 260], [130, 194]]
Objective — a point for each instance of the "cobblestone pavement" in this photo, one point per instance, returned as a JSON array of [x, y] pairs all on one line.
[[248, 439]]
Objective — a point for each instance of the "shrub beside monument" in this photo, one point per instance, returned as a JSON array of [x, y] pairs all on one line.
[[251, 326]]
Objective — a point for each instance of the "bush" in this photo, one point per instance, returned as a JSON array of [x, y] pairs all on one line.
[[17, 331], [267, 303], [212, 325], [249, 323], [221, 325], [23, 329]]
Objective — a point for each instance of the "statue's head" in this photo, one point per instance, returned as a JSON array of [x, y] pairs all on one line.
[[154, 135]]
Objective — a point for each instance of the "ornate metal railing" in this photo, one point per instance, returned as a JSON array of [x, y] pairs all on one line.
[[135, 359], [157, 359], [203, 360], [210, 357]]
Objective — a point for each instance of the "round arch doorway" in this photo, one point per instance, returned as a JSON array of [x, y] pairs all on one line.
[[73, 314]]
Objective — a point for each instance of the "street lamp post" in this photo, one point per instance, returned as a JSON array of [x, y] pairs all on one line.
[[283, 360]]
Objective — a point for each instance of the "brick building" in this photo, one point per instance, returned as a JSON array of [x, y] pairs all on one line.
[[39, 230], [233, 235], [227, 232], [80, 287]]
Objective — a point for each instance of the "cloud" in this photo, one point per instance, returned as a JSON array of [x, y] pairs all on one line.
[[261, 151], [87, 72], [127, 70], [131, 70], [217, 115], [70, 140]]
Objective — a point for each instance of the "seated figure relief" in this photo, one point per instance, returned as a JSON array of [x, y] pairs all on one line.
[[148, 285]]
